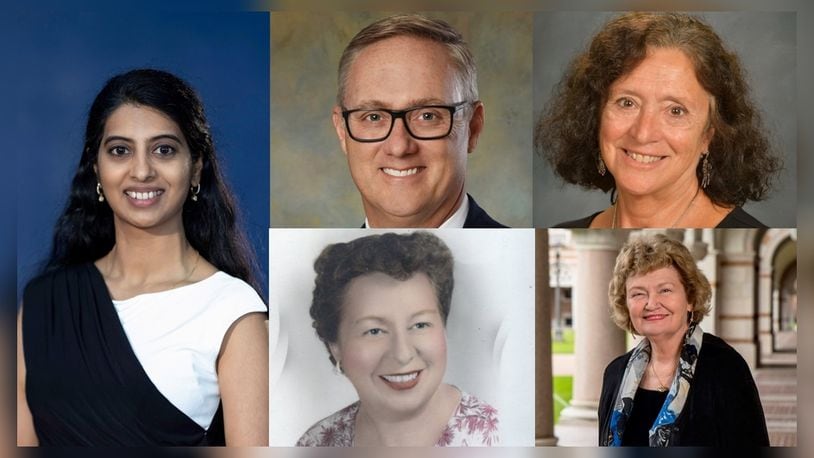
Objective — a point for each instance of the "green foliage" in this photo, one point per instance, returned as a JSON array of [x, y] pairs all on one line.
[[567, 344], [563, 385]]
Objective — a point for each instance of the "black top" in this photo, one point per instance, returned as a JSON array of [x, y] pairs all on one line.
[[737, 218], [84, 384], [646, 407], [723, 406]]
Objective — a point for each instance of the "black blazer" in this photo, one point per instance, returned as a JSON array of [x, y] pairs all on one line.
[[723, 407], [476, 217]]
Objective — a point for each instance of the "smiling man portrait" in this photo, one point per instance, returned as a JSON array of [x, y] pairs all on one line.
[[410, 173], [406, 113]]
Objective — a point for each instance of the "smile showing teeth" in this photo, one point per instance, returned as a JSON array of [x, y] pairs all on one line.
[[144, 195], [642, 158], [400, 173], [401, 378]]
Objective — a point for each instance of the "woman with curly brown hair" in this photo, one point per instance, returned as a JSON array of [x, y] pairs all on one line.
[[658, 112], [679, 385], [380, 306]]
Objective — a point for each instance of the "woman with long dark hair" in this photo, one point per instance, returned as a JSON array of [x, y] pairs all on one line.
[[145, 326]]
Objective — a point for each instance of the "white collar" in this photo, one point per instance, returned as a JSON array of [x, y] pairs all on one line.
[[456, 220]]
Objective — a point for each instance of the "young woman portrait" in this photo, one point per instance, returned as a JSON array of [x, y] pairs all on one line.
[[145, 326]]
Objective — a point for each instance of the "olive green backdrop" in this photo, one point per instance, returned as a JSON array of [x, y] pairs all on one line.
[[310, 182]]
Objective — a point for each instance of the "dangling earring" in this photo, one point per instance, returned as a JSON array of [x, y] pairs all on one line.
[[338, 368], [600, 167], [99, 192], [706, 168], [195, 190]]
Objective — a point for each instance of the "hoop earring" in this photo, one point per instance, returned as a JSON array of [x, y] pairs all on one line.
[[600, 166], [706, 169], [99, 192], [338, 368], [195, 190]]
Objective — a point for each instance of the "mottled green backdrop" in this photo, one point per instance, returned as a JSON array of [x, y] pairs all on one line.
[[310, 182]]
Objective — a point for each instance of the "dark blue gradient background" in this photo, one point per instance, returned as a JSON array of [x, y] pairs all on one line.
[[59, 60]]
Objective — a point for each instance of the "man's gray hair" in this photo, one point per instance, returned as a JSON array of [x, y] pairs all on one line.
[[414, 25]]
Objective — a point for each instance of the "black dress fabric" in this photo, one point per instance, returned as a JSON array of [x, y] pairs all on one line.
[[737, 218], [84, 384], [646, 407], [723, 407]]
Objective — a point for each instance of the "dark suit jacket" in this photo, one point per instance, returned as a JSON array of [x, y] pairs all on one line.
[[476, 217], [723, 406]]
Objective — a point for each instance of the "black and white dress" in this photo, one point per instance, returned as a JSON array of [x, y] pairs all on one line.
[[136, 372]]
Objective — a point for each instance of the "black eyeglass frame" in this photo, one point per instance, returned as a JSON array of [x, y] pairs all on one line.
[[402, 114]]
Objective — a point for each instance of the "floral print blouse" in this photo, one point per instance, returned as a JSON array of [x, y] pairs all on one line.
[[474, 423]]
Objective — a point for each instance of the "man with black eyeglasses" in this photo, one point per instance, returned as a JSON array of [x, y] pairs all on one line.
[[407, 116]]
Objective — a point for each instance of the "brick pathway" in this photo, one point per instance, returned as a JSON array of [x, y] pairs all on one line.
[[778, 393]]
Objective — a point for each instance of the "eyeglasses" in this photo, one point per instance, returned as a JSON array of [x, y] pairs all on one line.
[[428, 122]]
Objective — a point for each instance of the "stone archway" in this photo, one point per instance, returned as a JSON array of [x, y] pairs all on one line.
[[776, 288], [784, 295], [788, 299]]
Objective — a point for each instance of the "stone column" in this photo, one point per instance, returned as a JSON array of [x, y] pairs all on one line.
[[597, 339], [709, 266], [767, 307], [544, 401], [736, 300], [769, 289]]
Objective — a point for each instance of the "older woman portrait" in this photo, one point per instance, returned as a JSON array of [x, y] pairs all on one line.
[[658, 111], [380, 306], [145, 327], [679, 385], [376, 347]]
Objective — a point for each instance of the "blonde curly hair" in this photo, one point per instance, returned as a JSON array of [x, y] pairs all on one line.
[[645, 254]]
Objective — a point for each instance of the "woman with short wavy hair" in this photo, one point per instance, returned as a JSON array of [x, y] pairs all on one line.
[[380, 306], [679, 385]]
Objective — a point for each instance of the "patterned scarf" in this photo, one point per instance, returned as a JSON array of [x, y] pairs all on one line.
[[662, 432]]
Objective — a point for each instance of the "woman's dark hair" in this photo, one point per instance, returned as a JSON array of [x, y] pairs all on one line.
[[567, 134], [85, 230], [397, 255]]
